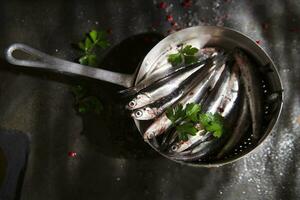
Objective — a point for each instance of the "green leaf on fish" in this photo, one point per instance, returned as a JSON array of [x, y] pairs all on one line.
[[175, 59], [212, 123], [192, 110], [190, 59], [186, 129], [189, 50], [192, 116], [175, 113], [185, 55]]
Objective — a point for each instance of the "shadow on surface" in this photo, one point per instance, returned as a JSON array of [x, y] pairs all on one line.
[[285, 29], [113, 132]]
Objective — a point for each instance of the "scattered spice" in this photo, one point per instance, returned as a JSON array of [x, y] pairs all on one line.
[[162, 5], [169, 18], [174, 25], [72, 154], [186, 3], [265, 26], [295, 30]]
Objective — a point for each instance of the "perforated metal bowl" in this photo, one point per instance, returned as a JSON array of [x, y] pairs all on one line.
[[227, 39]]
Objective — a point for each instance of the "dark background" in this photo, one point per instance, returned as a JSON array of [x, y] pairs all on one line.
[[38, 120]]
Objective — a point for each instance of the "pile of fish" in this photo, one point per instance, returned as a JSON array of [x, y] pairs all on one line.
[[221, 82]]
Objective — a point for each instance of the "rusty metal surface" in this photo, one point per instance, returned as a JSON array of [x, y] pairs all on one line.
[[112, 161]]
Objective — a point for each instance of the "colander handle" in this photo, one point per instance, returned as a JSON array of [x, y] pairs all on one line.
[[37, 59]]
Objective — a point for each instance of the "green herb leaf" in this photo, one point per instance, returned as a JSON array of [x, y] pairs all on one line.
[[175, 113], [83, 102], [175, 59], [92, 60], [216, 129], [184, 130], [206, 118], [212, 123], [78, 91], [183, 136], [189, 50], [186, 54], [192, 110], [187, 128], [90, 104], [87, 44], [84, 60], [94, 35], [81, 46], [190, 59]]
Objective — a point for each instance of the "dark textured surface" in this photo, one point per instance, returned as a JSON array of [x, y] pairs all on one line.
[[112, 161]]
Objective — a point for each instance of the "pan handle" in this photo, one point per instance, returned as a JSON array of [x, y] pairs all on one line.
[[31, 57]]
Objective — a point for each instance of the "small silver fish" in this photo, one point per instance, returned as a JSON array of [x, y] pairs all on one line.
[[252, 89], [158, 107], [192, 140], [163, 68], [162, 123], [155, 109], [162, 87], [239, 128], [222, 100]]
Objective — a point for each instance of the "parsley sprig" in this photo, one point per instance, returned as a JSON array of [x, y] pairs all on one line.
[[84, 102], [88, 47], [185, 55], [191, 119]]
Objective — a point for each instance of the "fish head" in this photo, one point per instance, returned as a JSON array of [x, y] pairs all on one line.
[[174, 148], [145, 113], [149, 134], [177, 147], [139, 101]]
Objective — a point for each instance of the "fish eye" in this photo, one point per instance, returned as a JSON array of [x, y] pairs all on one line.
[[132, 104], [138, 113], [174, 147]]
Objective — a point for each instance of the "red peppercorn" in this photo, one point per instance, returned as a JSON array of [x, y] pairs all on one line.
[[265, 26], [294, 30], [169, 18], [72, 154], [258, 42], [186, 3], [162, 5]]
